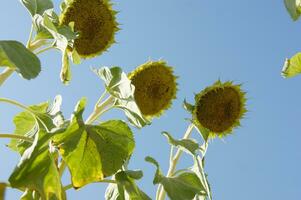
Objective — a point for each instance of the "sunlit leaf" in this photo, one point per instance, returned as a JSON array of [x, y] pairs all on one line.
[[294, 8], [292, 66], [15, 55], [185, 185], [93, 152], [120, 87], [26, 124], [126, 188]]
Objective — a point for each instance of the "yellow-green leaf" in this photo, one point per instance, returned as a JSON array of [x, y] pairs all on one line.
[[93, 152]]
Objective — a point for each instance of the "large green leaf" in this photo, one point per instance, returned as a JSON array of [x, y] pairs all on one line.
[[93, 152], [294, 8], [2, 191], [37, 169], [37, 6], [126, 188], [15, 55], [292, 66], [120, 87], [185, 185]]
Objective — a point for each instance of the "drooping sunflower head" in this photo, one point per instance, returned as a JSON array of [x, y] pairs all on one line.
[[219, 108], [155, 87], [96, 23]]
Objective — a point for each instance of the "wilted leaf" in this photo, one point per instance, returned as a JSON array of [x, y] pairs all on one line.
[[37, 169], [93, 152], [15, 55]]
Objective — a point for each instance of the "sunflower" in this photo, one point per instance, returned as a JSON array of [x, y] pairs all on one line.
[[219, 108], [95, 21], [155, 87]]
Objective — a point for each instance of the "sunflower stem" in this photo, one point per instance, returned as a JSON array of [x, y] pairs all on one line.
[[100, 108], [7, 72], [43, 50], [67, 187], [15, 136], [62, 168], [173, 163]]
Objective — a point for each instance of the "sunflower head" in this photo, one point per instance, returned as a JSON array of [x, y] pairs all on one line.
[[155, 87], [219, 108], [95, 21]]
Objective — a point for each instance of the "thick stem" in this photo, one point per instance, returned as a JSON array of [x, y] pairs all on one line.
[[173, 163], [67, 187], [100, 109], [43, 50], [62, 168], [14, 136], [7, 72]]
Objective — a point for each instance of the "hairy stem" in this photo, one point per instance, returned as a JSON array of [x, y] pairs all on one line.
[[15, 136], [173, 163], [62, 168], [43, 50], [100, 108], [7, 72], [67, 187]]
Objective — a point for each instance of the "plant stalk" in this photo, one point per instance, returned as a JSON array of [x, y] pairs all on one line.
[[173, 163], [100, 109], [15, 136]]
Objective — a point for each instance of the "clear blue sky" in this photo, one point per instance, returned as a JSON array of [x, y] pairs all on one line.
[[241, 40]]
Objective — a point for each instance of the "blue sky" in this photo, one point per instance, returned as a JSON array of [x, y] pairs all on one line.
[[240, 40]]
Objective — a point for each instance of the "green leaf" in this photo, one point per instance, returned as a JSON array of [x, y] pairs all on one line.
[[2, 190], [37, 169], [116, 82], [294, 8], [93, 152], [37, 6], [15, 55], [185, 185], [292, 66], [120, 87], [126, 188], [187, 145], [26, 124]]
